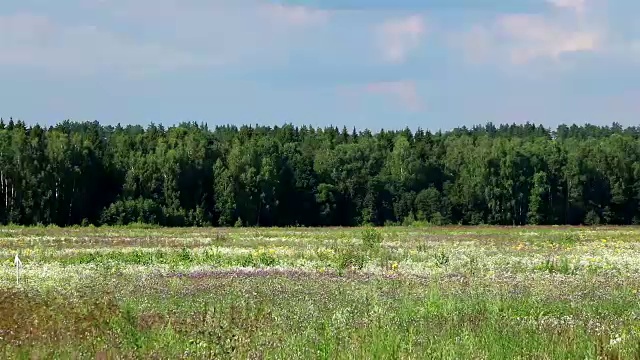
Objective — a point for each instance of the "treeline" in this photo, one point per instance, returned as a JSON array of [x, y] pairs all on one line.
[[189, 175]]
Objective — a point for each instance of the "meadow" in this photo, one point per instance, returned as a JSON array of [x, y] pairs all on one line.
[[332, 293]]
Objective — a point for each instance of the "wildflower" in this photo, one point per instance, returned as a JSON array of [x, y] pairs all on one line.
[[616, 340], [394, 266]]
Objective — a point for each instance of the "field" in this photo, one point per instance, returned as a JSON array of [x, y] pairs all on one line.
[[388, 293]]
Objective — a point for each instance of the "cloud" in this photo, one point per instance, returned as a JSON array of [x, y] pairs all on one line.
[[239, 31], [523, 38], [37, 41], [296, 15], [404, 92], [222, 18], [146, 36], [575, 5], [397, 38], [534, 36]]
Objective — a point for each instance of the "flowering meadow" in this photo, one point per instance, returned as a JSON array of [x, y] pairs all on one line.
[[332, 293]]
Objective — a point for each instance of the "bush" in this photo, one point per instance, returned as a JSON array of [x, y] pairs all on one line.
[[441, 258], [564, 266], [371, 239], [592, 218], [349, 257], [565, 239], [124, 212]]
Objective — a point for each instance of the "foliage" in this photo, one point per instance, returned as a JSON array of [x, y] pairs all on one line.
[[349, 257], [441, 258], [190, 175], [562, 266], [371, 239]]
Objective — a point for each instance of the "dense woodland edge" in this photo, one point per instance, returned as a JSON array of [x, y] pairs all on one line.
[[81, 173]]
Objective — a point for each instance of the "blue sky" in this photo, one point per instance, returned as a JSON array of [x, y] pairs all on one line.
[[377, 64]]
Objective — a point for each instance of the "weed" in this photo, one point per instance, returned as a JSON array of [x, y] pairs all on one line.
[[565, 239], [371, 239], [441, 258], [349, 257], [563, 266]]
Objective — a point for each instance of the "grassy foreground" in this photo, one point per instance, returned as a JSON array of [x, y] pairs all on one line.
[[392, 293]]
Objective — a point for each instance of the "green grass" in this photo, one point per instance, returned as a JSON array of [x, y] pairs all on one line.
[[392, 293]]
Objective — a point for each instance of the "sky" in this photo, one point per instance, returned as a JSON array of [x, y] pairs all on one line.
[[376, 64]]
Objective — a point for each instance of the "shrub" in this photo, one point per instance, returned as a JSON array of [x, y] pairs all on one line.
[[564, 266], [565, 239], [371, 239], [441, 258], [592, 218], [348, 257]]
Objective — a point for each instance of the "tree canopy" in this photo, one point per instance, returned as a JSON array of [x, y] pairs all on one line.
[[189, 175]]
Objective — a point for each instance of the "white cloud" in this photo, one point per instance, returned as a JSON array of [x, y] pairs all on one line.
[[34, 40], [397, 38], [522, 38], [533, 36], [223, 19], [575, 5], [161, 35], [296, 15]]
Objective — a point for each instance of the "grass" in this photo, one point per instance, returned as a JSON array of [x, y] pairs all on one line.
[[384, 293]]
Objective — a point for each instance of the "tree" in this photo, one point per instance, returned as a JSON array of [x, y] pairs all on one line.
[[188, 174]]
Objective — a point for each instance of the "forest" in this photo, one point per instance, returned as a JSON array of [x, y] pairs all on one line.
[[82, 173]]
